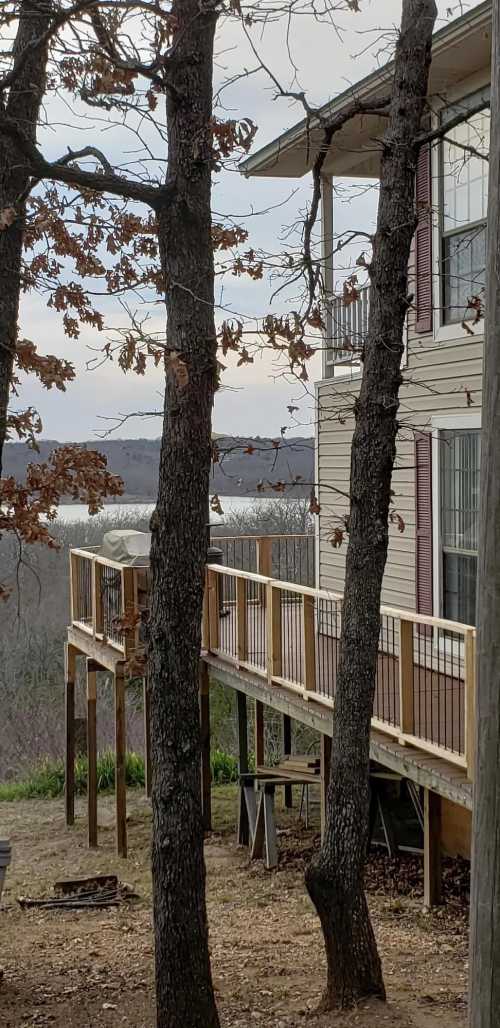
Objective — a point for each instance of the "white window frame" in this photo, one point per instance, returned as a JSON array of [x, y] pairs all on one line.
[[448, 333], [440, 423]]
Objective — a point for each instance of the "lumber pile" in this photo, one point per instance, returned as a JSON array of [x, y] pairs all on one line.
[[301, 764]]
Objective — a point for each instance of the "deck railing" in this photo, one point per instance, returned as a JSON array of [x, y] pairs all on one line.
[[290, 635], [290, 558], [103, 593], [103, 590]]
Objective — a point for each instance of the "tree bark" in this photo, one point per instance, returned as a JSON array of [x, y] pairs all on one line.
[[185, 997], [484, 975], [335, 878], [23, 106]]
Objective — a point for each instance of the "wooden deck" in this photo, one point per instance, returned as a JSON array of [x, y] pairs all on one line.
[[279, 643]]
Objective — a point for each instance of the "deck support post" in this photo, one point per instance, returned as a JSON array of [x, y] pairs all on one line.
[[259, 733], [120, 761], [147, 735], [326, 756], [69, 699], [91, 674], [432, 849], [241, 702], [206, 775], [287, 749]]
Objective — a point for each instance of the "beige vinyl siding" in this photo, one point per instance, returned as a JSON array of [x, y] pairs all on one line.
[[438, 379]]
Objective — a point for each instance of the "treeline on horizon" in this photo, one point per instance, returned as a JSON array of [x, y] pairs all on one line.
[[244, 463]]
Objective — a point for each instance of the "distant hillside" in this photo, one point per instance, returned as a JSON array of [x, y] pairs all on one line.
[[136, 461]]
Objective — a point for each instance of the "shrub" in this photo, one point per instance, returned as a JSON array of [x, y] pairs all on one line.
[[47, 778], [224, 768]]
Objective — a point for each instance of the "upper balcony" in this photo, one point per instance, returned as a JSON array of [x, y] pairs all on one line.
[[347, 330]]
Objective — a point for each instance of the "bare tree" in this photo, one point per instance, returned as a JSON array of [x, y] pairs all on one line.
[[21, 101], [335, 877], [484, 975]]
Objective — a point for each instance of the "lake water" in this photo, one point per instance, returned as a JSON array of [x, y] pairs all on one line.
[[230, 505]]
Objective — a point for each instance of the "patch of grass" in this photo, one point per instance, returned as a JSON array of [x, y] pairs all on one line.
[[47, 778], [224, 768]]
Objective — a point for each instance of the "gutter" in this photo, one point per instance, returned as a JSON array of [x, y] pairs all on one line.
[[365, 89]]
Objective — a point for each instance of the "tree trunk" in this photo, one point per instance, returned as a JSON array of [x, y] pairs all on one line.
[[335, 877], [484, 975], [23, 105], [185, 997]]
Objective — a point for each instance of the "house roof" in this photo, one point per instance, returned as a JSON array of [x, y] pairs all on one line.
[[460, 49]]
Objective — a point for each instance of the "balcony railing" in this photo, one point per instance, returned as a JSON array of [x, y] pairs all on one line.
[[348, 329], [290, 635]]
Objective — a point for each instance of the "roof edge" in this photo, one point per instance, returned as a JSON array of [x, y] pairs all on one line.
[[441, 40]]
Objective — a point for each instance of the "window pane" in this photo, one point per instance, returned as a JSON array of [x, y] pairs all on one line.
[[459, 472], [459, 588], [464, 260], [460, 464], [465, 176]]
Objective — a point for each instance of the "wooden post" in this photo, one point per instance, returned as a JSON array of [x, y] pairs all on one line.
[[432, 849], [273, 614], [206, 775], [242, 619], [73, 587], [470, 701], [120, 770], [287, 749], [213, 609], [264, 547], [241, 701], [309, 642], [147, 735], [129, 606], [259, 733], [406, 715], [69, 694], [326, 756], [91, 671]]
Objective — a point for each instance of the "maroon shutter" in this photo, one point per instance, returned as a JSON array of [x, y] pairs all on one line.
[[423, 527], [423, 241]]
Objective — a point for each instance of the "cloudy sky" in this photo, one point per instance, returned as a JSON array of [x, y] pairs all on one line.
[[253, 399]]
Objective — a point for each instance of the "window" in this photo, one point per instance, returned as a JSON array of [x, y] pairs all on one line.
[[464, 208], [459, 452]]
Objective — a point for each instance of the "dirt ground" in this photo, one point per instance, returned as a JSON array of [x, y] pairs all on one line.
[[95, 968]]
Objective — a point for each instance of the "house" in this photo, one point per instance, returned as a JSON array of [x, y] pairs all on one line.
[[431, 566]]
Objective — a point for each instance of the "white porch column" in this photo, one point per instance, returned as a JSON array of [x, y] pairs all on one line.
[[327, 259]]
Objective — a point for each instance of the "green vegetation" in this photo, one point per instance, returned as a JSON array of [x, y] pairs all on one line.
[[47, 778]]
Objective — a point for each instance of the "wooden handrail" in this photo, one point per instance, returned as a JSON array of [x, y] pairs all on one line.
[[441, 662], [326, 594]]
